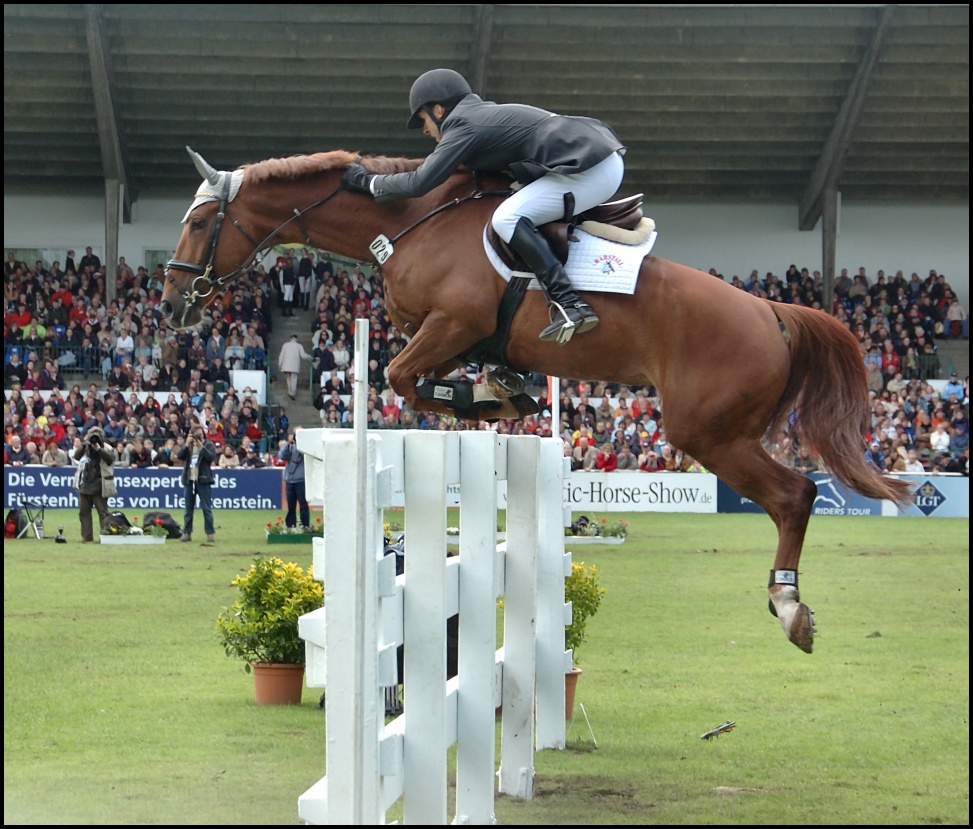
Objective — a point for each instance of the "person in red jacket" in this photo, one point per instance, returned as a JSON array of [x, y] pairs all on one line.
[[20, 315], [79, 311], [254, 432], [215, 433], [607, 459]]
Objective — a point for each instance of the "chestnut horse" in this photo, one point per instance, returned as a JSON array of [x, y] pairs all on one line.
[[731, 368]]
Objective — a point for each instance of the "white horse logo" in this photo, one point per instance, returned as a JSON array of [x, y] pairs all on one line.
[[835, 498]]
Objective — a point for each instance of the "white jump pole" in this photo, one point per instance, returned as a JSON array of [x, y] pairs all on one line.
[[365, 703], [350, 793]]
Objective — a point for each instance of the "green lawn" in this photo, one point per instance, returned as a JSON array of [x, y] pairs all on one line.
[[121, 708]]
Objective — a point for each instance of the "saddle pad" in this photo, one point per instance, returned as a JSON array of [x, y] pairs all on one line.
[[594, 264]]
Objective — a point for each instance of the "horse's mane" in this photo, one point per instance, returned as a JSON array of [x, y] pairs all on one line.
[[298, 166]]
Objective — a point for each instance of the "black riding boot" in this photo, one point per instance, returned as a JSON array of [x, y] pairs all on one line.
[[570, 314]]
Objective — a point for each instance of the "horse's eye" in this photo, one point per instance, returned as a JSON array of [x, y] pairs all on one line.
[[198, 224]]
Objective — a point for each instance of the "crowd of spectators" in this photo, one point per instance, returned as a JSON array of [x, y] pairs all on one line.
[[895, 321], [71, 361], [118, 366]]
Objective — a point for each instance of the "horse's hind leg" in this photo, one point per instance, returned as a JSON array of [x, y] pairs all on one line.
[[787, 498]]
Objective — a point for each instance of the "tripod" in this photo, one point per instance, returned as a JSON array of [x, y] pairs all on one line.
[[35, 520]]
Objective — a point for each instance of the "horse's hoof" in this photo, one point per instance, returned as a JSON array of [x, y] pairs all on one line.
[[796, 619], [802, 628], [503, 382]]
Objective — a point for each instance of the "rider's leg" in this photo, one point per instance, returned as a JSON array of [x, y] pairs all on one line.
[[570, 314], [543, 201]]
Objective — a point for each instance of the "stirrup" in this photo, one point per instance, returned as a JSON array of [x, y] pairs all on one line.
[[563, 327]]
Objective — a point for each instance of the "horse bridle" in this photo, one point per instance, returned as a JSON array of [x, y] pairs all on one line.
[[204, 284], [202, 273]]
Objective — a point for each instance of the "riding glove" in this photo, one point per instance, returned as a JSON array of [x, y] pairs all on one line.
[[357, 179]]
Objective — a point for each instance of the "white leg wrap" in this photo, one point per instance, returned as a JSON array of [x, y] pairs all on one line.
[[787, 605]]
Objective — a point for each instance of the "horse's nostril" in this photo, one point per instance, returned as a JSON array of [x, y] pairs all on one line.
[[165, 308]]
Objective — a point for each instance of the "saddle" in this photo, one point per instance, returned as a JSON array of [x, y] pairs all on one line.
[[623, 215]]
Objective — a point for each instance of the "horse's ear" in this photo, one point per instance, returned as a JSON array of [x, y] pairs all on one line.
[[207, 171]]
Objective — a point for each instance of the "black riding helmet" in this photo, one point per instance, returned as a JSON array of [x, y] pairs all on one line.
[[437, 86]]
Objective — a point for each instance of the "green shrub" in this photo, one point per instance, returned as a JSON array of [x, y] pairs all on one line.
[[261, 625], [582, 588]]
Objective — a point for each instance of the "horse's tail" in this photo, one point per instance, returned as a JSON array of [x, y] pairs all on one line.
[[827, 392]]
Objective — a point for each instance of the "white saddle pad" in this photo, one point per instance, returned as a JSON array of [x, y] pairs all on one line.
[[594, 264]]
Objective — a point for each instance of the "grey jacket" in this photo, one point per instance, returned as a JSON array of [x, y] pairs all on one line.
[[294, 468], [524, 141], [96, 476]]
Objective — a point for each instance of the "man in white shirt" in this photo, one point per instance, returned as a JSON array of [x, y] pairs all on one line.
[[913, 464], [939, 439]]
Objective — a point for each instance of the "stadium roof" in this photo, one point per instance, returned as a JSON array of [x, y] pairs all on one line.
[[769, 103]]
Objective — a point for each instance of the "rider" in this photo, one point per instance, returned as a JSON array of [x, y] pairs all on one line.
[[549, 154]]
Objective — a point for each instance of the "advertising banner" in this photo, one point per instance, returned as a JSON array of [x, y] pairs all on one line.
[[616, 492], [937, 496], [640, 492], [143, 489]]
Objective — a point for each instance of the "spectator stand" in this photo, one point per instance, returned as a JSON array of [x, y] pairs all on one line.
[[59, 302]]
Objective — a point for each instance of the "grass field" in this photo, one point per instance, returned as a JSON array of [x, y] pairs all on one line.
[[120, 707]]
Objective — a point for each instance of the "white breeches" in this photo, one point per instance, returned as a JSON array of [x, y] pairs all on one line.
[[542, 201]]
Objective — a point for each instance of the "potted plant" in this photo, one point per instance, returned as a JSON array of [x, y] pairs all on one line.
[[597, 531], [279, 533], [152, 533], [583, 589], [155, 528], [261, 626]]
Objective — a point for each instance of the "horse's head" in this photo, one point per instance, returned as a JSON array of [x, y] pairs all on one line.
[[207, 260], [203, 264]]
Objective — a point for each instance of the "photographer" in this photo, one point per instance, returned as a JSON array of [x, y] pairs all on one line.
[[94, 479], [197, 479], [294, 490]]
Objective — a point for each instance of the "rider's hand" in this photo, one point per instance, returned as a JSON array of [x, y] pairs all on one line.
[[356, 179]]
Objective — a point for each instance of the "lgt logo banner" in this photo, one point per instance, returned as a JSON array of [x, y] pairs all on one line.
[[928, 498]]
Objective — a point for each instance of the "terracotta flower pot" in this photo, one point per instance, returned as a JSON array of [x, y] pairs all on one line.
[[570, 689], [278, 683]]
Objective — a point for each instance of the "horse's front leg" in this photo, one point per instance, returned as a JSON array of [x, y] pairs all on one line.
[[433, 349]]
